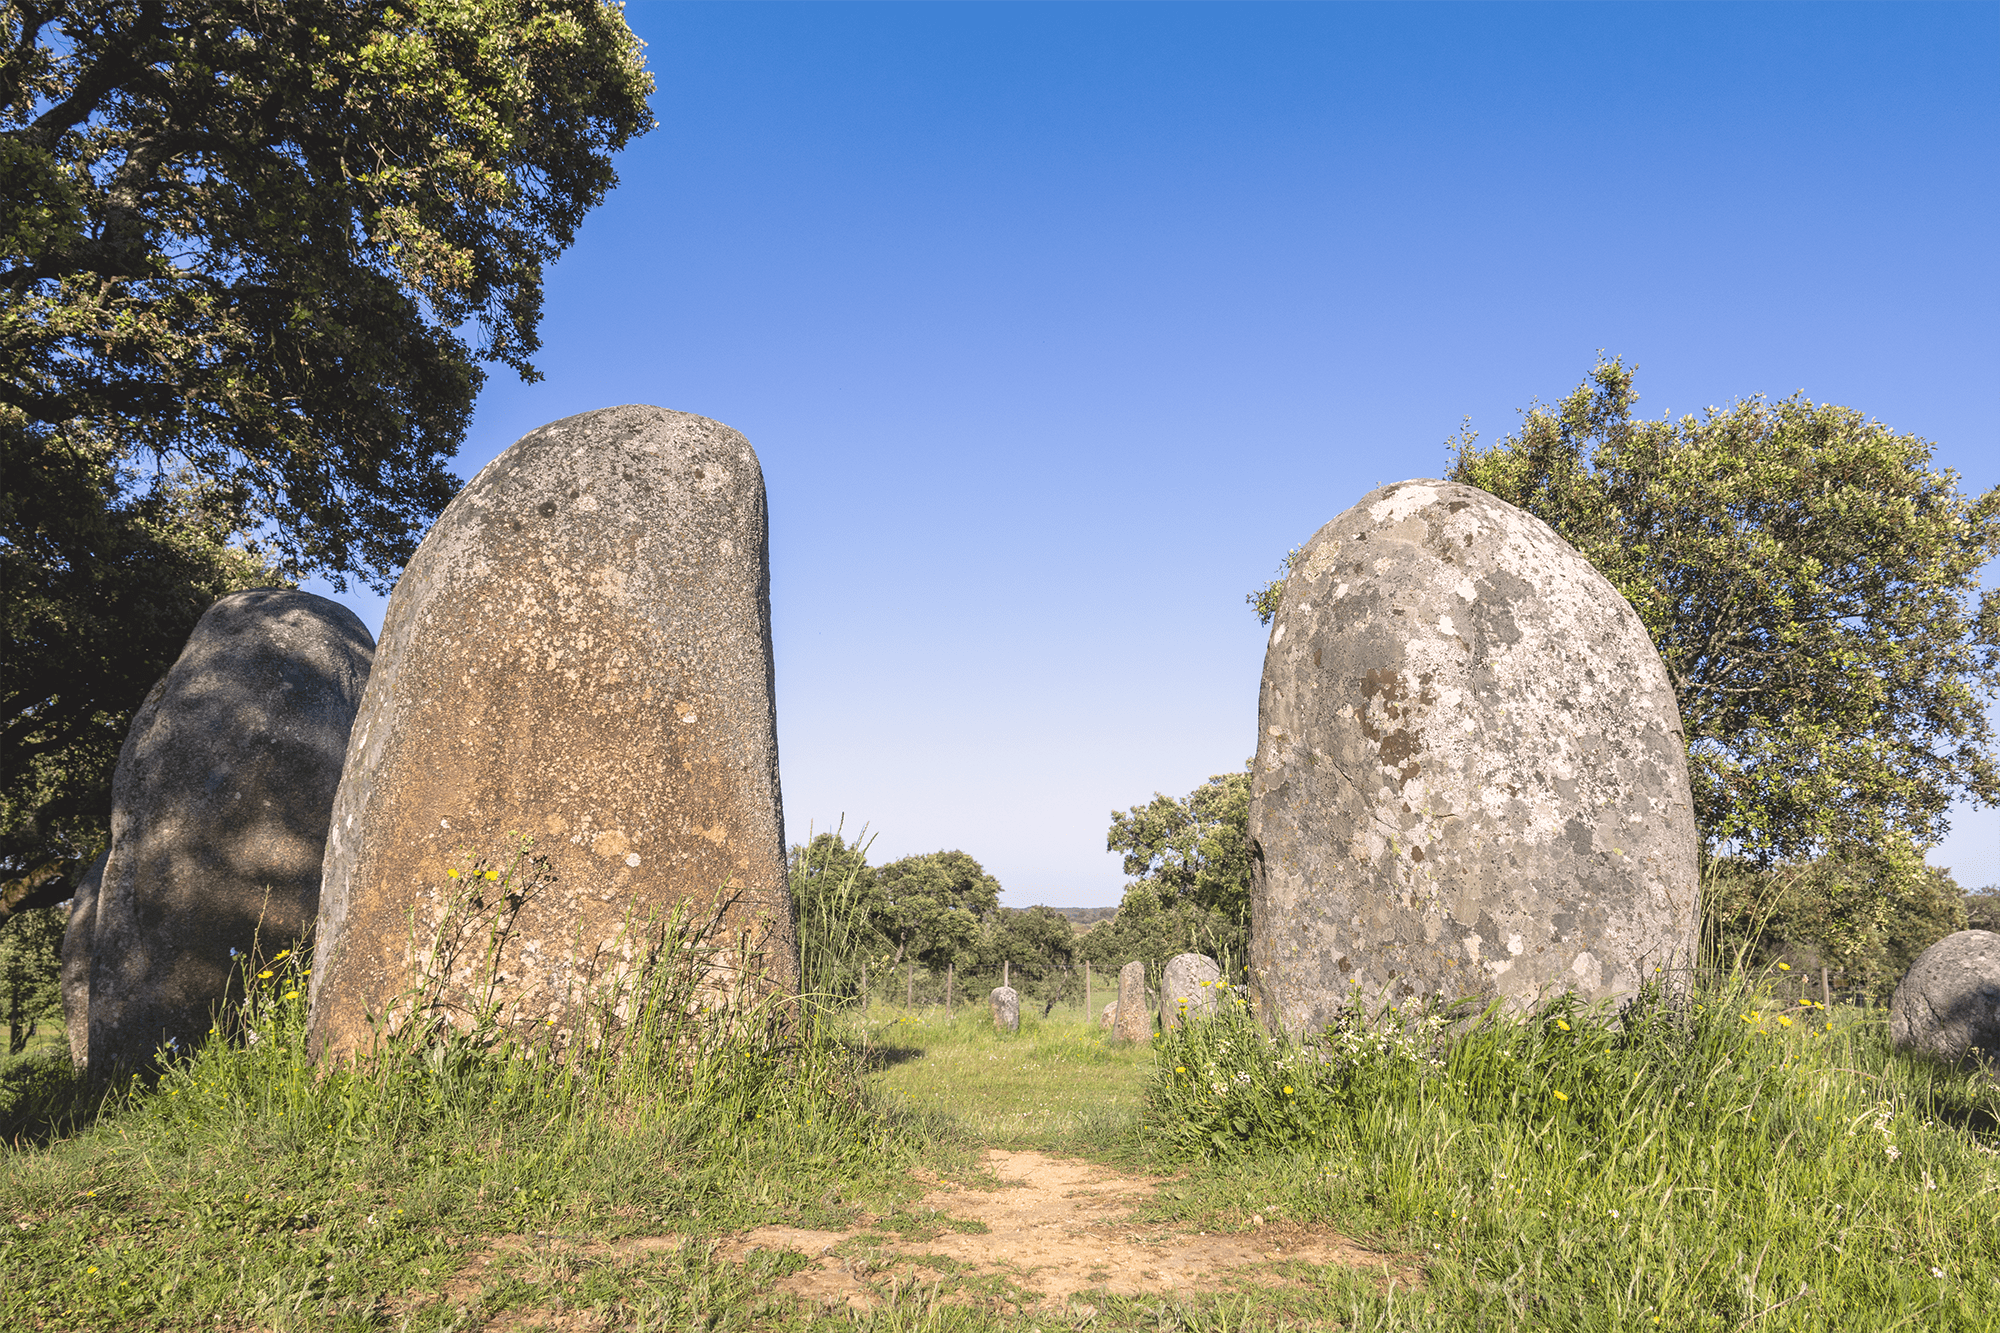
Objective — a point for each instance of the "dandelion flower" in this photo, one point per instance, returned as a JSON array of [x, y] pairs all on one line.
[[1180, 1069], [291, 995], [1288, 1090], [452, 873], [1562, 1096], [1784, 967], [492, 874], [265, 975], [1564, 1026]]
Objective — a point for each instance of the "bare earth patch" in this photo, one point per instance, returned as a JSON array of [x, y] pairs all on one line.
[[1053, 1228]]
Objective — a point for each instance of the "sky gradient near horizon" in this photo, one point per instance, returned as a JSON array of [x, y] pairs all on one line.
[[1056, 326]]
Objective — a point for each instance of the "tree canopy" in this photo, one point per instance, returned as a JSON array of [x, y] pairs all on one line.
[[242, 249], [1812, 583]]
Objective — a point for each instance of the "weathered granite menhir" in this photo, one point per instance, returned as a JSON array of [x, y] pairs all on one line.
[[219, 810], [1134, 1021], [1471, 778], [580, 653]]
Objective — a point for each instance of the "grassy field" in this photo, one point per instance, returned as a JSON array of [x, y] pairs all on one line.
[[1749, 1166]]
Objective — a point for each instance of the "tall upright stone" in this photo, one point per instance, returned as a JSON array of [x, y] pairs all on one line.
[[1471, 778], [580, 653], [76, 948], [1188, 986], [219, 811], [1134, 1021]]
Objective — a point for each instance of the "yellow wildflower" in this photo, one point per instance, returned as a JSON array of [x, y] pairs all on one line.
[[1562, 1096]]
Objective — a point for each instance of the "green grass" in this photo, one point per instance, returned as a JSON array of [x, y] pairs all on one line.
[[1059, 1083], [1714, 1170]]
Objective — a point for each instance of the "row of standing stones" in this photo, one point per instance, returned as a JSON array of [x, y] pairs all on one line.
[[1470, 778]]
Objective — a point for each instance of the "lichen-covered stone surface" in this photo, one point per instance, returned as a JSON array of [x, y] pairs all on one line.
[[219, 811], [1948, 1004], [579, 653], [1005, 1002], [76, 960], [1134, 1020], [1471, 779], [1188, 987]]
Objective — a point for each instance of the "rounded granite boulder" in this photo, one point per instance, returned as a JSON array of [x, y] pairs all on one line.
[[1948, 1004], [1471, 779], [579, 654]]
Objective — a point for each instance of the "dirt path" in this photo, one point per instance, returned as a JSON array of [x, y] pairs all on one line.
[[1046, 1229]]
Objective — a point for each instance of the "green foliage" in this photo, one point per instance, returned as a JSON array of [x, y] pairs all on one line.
[[31, 972], [103, 579], [238, 245], [931, 908], [1864, 917], [1193, 850], [1982, 909], [833, 902], [1040, 948], [1189, 859], [1811, 581]]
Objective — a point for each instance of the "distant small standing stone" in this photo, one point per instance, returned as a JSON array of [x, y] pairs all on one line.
[[219, 813], [1948, 1004], [1135, 1023], [1109, 1017], [1006, 1005], [1188, 986]]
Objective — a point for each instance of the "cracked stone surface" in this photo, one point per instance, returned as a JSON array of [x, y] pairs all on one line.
[[1471, 778]]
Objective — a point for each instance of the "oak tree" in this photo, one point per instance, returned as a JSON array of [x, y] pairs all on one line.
[[252, 259], [1811, 580]]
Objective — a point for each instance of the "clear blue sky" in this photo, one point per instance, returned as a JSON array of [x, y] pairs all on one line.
[[1055, 326]]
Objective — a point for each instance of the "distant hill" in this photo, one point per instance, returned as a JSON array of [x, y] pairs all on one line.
[[1085, 917]]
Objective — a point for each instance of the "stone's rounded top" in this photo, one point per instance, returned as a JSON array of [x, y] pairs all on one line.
[[1471, 775], [1948, 1004]]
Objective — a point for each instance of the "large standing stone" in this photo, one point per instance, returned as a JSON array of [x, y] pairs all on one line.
[[1470, 779], [579, 652], [219, 813], [76, 960], [1135, 1023], [1005, 1002], [1948, 1004], [1188, 985]]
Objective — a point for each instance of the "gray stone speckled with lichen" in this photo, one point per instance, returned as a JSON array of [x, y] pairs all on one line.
[[1470, 779], [1134, 1020], [1187, 986], [1005, 1002], [579, 652], [1948, 1004], [218, 819]]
